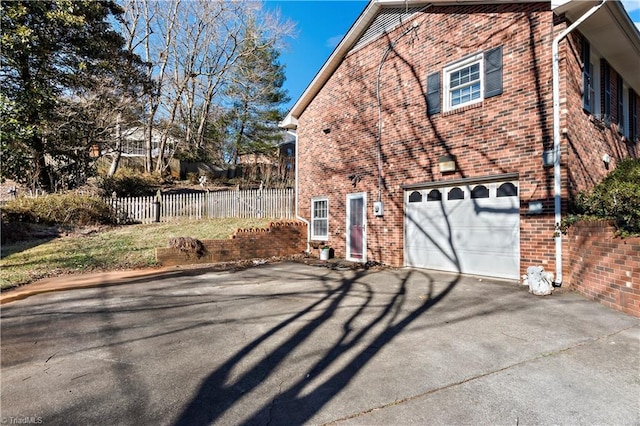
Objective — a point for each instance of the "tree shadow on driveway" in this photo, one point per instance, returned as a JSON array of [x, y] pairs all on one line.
[[358, 344]]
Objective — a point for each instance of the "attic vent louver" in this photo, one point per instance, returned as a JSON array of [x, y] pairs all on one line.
[[386, 20]]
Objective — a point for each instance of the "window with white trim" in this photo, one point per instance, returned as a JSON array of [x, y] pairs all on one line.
[[319, 218], [623, 109], [593, 88], [588, 91], [463, 83]]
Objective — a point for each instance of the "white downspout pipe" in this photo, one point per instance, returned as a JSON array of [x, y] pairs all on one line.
[[557, 189], [298, 217]]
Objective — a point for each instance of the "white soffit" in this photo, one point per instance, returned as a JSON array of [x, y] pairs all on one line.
[[611, 32]]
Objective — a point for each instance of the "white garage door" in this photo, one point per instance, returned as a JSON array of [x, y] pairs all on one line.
[[472, 229]]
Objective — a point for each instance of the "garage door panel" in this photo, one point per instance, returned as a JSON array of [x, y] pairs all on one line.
[[432, 257], [469, 235], [501, 265]]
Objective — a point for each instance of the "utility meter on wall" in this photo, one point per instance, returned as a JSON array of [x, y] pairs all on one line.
[[378, 208]]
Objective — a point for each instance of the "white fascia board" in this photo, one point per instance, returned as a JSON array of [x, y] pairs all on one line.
[[555, 4]]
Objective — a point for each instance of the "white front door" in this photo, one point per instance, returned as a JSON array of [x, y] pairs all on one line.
[[357, 227]]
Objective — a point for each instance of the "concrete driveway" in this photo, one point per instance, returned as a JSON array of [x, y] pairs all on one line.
[[287, 343]]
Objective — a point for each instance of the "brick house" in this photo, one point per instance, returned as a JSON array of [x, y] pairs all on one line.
[[430, 139]]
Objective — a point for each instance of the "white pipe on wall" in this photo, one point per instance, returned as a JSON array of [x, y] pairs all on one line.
[[557, 187], [297, 198]]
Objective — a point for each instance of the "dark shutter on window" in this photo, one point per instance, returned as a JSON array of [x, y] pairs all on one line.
[[633, 115], [586, 75], [493, 72], [433, 93], [606, 90], [620, 110]]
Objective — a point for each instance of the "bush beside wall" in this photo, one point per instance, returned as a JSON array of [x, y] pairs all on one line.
[[604, 267], [277, 240]]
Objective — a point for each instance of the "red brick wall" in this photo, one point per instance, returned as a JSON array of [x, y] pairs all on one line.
[[278, 239], [586, 140], [504, 134], [603, 267]]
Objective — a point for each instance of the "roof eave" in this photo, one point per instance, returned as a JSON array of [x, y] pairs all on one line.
[[329, 67], [610, 31], [344, 47], [371, 11]]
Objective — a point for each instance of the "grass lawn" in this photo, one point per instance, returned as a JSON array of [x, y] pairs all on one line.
[[123, 247]]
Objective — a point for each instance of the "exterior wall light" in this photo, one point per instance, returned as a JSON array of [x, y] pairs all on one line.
[[447, 163]]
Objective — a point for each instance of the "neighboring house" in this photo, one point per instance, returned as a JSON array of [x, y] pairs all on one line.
[[287, 154], [134, 142], [427, 139], [282, 159], [255, 158], [283, 150]]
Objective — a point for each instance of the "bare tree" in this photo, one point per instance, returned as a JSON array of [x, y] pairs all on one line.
[[191, 46]]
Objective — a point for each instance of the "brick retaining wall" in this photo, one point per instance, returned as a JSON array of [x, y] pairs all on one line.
[[604, 267], [278, 239]]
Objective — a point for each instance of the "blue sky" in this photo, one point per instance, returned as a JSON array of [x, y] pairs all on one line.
[[320, 27]]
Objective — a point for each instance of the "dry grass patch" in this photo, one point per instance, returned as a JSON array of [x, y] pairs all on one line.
[[123, 247]]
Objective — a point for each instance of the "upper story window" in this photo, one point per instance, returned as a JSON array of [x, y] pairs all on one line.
[[588, 80], [466, 82], [320, 219], [621, 108], [605, 94], [463, 83], [602, 89]]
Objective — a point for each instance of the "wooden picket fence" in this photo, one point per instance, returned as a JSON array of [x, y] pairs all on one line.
[[267, 203]]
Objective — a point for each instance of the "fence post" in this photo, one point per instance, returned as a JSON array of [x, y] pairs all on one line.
[[114, 205], [156, 203]]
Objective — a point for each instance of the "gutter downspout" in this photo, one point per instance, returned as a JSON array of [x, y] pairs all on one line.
[[296, 198], [557, 192]]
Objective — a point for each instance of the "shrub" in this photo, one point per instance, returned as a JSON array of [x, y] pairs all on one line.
[[59, 209], [617, 197], [128, 183], [188, 245]]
